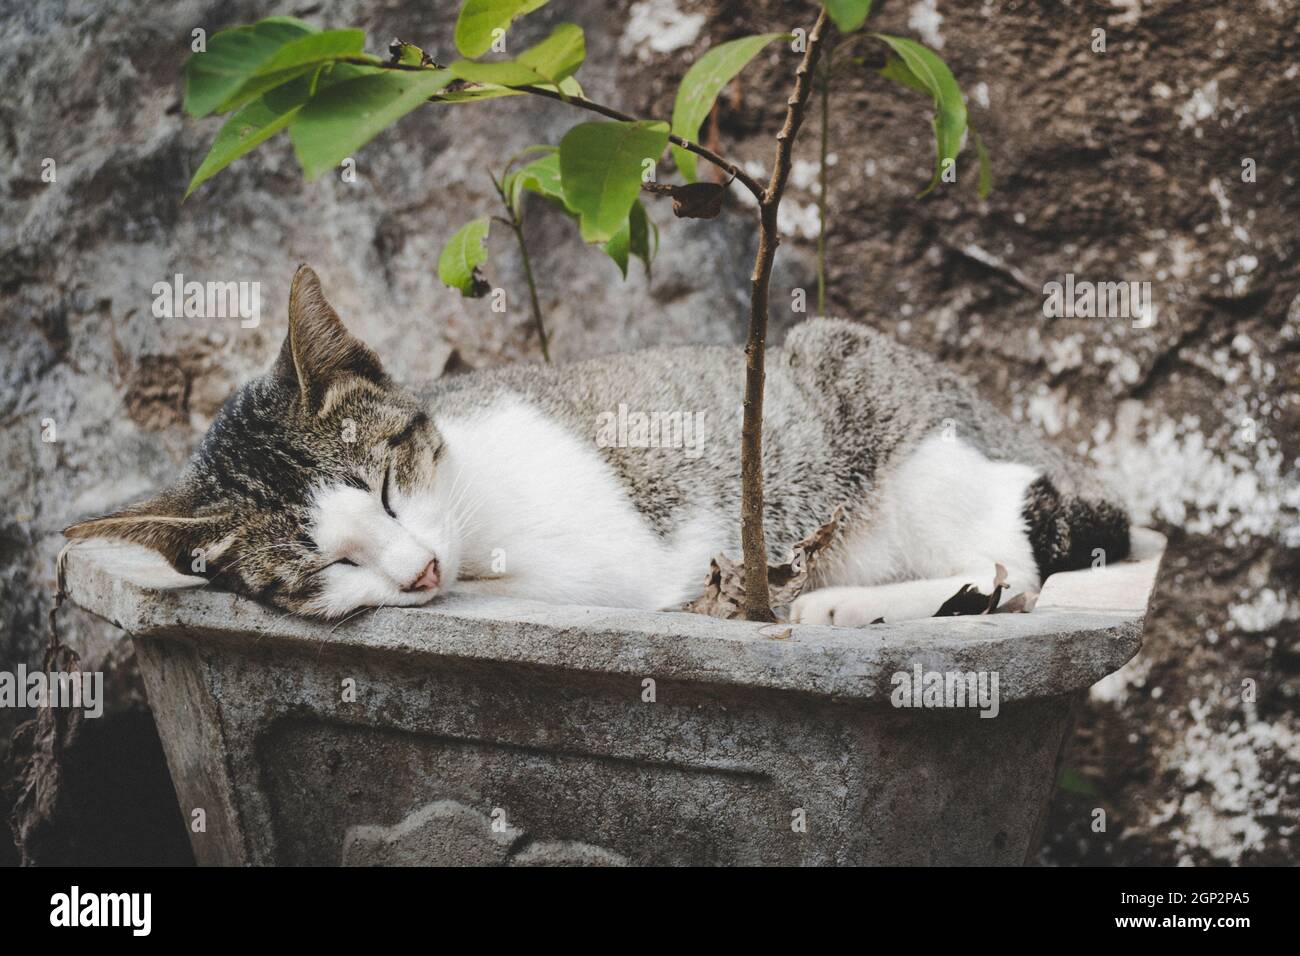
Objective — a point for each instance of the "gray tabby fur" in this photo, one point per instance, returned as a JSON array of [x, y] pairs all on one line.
[[842, 403]]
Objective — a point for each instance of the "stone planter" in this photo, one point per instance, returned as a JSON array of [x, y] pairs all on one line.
[[494, 731]]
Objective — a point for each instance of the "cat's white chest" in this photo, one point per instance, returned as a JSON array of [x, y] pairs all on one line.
[[545, 518]]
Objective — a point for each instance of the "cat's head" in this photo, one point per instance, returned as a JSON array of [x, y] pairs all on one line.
[[314, 488]]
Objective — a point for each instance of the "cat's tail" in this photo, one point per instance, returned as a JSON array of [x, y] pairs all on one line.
[[1068, 531]]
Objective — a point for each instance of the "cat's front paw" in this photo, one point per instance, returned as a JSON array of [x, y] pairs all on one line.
[[838, 607]]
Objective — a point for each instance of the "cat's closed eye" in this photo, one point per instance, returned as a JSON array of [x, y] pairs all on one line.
[[345, 562], [383, 492]]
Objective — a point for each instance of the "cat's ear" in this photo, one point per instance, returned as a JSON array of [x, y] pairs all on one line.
[[318, 350], [168, 523]]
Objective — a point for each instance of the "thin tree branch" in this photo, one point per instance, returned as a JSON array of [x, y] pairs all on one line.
[[796, 107], [758, 602], [750, 183]]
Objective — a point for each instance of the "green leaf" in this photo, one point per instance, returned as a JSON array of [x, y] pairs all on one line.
[[408, 54], [652, 244], [638, 236], [231, 57], [600, 171], [343, 118], [644, 235], [633, 239], [896, 70], [250, 127], [848, 14], [541, 176], [264, 117], [296, 58], [514, 182], [617, 248], [701, 86], [547, 63], [921, 69], [986, 174], [479, 18], [463, 254]]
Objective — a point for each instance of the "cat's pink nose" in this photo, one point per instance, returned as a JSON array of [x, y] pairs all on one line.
[[428, 579]]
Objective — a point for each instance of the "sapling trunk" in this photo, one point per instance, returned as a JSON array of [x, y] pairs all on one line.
[[758, 603]]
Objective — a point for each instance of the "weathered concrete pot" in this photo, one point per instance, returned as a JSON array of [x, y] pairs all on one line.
[[478, 731]]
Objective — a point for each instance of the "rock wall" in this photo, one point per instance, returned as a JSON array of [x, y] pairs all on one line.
[[1127, 164]]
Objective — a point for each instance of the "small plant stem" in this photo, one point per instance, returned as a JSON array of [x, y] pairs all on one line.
[[532, 291], [517, 227], [758, 601]]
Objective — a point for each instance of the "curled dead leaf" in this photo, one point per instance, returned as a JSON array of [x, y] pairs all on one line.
[[698, 200], [1021, 603], [693, 200], [480, 287], [724, 589]]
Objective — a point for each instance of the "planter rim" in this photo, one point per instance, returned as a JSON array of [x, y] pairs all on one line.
[[1087, 624]]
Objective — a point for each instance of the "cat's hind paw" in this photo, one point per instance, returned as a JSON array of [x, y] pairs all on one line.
[[900, 601], [838, 607]]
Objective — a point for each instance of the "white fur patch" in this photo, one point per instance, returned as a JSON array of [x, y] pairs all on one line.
[[943, 511], [389, 553], [943, 518], [542, 516]]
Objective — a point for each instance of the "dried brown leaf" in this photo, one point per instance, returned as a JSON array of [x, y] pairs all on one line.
[[724, 589], [1022, 603], [698, 200]]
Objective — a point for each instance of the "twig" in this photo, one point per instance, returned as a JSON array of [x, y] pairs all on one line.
[[516, 226], [750, 183], [758, 606]]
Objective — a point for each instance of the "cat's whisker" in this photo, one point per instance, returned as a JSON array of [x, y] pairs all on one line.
[[465, 523], [463, 515], [271, 629], [347, 617], [460, 488], [344, 620], [466, 507]]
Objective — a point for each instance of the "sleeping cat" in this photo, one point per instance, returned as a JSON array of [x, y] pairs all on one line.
[[324, 486]]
